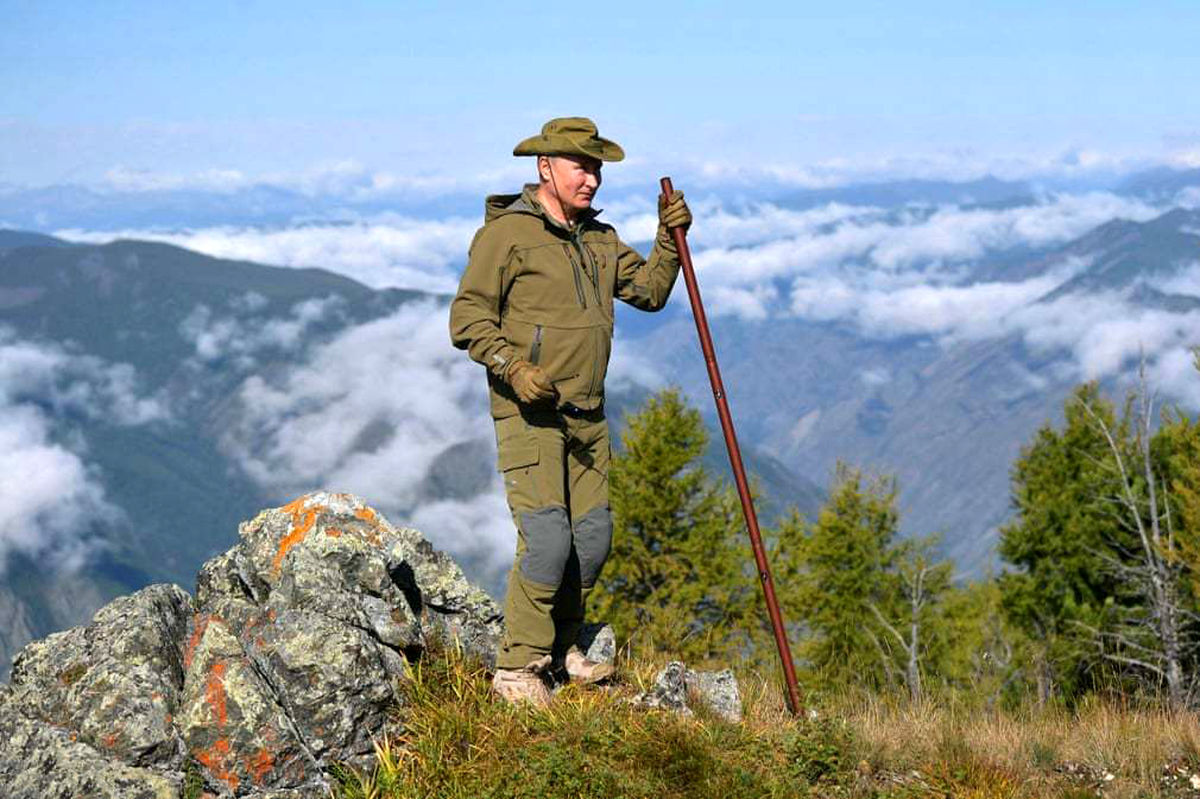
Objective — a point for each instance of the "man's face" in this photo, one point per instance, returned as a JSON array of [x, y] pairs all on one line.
[[571, 179]]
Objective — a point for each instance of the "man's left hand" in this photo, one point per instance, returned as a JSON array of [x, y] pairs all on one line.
[[673, 211]]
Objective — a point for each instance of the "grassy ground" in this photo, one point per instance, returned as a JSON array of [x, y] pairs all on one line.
[[459, 742]]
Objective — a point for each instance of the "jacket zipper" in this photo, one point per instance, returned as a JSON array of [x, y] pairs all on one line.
[[595, 362], [578, 280], [587, 256], [535, 351]]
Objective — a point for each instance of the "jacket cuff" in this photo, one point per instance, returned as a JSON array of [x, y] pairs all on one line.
[[501, 361]]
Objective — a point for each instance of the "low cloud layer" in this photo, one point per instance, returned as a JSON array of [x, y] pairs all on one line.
[[370, 412], [239, 333], [376, 411], [887, 272], [388, 252], [52, 500]]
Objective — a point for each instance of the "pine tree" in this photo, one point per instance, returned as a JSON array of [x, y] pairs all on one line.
[[674, 580]]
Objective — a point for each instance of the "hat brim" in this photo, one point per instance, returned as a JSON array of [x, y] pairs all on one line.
[[593, 147]]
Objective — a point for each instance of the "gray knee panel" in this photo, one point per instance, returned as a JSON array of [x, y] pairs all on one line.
[[547, 545], [593, 540]]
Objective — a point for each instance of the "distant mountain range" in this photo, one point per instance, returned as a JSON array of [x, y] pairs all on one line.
[[179, 491], [164, 343]]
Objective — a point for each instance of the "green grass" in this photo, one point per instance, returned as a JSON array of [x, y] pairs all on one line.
[[460, 742]]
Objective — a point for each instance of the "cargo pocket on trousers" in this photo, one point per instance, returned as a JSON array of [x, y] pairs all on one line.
[[518, 460]]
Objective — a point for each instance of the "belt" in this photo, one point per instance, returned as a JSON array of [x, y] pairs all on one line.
[[575, 412]]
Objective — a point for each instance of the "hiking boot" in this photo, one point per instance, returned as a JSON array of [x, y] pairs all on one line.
[[523, 685], [584, 671]]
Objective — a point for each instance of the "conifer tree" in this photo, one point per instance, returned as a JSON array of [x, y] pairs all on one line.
[[846, 556], [1063, 539], [674, 580]]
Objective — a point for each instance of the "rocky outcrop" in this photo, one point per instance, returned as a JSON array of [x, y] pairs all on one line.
[[286, 662]]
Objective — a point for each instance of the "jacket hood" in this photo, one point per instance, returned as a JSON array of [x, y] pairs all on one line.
[[498, 205]]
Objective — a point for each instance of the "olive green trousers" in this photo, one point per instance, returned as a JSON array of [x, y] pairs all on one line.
[[555, 470]]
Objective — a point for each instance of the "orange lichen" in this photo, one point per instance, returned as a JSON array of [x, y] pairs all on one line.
[[260, 765], [109, 740], [199, 625], [333, 532], [213, 759], [366, 514], [214, 693], [302, 522]]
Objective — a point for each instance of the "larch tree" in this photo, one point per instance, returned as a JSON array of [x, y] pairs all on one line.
[[1062, 539], [674, 581]]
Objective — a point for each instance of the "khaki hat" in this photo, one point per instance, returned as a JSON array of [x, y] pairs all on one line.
[[570, 136]]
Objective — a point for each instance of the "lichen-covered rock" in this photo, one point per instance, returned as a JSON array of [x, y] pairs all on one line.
[[598, 642], [676, 684], [231, 719], [288, 661], [115, 682], [41, 761], [303, 631], [719, 691], [669, 691]]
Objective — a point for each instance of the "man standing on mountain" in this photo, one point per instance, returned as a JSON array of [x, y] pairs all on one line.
[[535, 306]]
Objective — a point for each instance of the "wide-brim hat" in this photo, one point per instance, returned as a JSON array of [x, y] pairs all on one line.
[[571, 136]]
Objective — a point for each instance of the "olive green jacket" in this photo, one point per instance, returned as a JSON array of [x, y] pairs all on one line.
[[536, 290]]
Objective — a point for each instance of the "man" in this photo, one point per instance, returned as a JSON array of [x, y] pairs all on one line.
[[535, 306]]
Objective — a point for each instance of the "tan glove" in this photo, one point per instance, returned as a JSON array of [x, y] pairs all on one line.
[[529, 381], [673, 211]]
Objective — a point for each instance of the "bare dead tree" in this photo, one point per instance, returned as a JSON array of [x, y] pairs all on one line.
[[1156, 643], [921, 584]]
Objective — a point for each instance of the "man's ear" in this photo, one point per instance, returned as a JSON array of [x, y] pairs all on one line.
[[543, 168]]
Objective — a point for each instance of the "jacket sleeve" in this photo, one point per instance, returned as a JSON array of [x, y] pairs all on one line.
[[475, 309], [646, 283]]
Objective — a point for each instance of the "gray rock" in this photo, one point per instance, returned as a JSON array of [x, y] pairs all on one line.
[[231, 719], [114, 683], [304, 632], [669, 691], [719, 691], [598, 642], [288, 661], [40, 761], [676, 686]]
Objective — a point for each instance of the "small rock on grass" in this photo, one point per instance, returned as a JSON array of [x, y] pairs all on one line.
[[676, 684]]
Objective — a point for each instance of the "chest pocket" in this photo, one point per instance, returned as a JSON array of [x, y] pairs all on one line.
[[604, 260]]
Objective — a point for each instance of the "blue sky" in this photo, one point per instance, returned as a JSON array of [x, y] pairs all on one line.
[[448, 88]]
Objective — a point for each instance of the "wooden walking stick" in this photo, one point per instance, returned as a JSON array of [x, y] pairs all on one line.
[[735, 460]]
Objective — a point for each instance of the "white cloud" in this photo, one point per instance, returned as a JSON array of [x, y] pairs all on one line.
[[787, 242], [1075, 163], [1185, 279], [1105, 333], [222, 181], [978, 310], [67, 383], [51, 499], [345, 180], [370, 412], [389, 251], [240, 333]]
